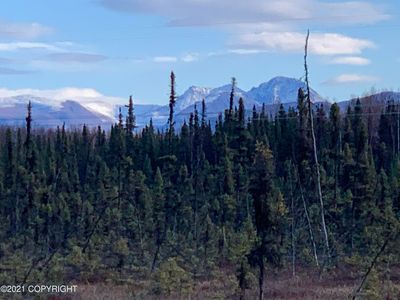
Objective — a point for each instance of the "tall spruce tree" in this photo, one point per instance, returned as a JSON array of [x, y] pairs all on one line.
[[172, 100], [130, 118], [232, 97], [270, 212]]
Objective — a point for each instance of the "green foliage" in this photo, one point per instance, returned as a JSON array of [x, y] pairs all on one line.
[[372, 289], [171, 279], [185, 204]]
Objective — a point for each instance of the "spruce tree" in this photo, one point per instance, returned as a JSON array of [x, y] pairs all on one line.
[[172, 100], [232, 98], [158, 215], [270, 211], [130, 119]]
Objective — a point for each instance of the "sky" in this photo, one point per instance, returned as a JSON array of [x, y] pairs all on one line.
[[110, 49]]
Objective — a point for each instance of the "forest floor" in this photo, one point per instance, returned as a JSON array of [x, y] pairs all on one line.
[[307, 284]]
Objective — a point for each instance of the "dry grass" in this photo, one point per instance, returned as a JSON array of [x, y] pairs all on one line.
[[306, 285]]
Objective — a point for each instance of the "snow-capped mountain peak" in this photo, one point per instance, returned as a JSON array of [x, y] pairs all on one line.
[[24, 99], [191, 96], [280, 90], [89, 106], [48, 113]]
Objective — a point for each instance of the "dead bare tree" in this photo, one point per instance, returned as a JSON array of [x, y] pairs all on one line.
[[292, 227], [314, 247], [379, 253], [398, 129], [321, 201]]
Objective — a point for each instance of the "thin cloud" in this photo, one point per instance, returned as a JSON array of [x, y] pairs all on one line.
[[246, 51], [5, 60], [165, 59], [350, 60], [222, 12], [257, 25], [10, 71], [77, 57], [15, 46], [351, 79], [191, 57], [23, 31], [319, 44], [186, 58]]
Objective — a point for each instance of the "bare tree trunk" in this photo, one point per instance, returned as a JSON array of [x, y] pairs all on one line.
[[373, 264], [321, 201], [398, 129], [261, 280], [308, 222], [140, 231], [153, 265], [293, 223], [223, 238]]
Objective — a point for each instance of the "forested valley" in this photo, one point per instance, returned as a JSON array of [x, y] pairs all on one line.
[[232, 203]]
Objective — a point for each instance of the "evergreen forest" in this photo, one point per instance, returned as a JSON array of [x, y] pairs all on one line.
[[240, 199]]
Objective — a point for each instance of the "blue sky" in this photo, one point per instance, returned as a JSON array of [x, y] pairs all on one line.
[[113, 48]]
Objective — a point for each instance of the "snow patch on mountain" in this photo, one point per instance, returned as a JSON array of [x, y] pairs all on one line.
[[191, 96], [87, 97], [105, 108], [280, 90]]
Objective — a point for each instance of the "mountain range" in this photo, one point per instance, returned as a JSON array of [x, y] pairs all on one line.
[[49, 113], [73, 113], [272, 93]]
